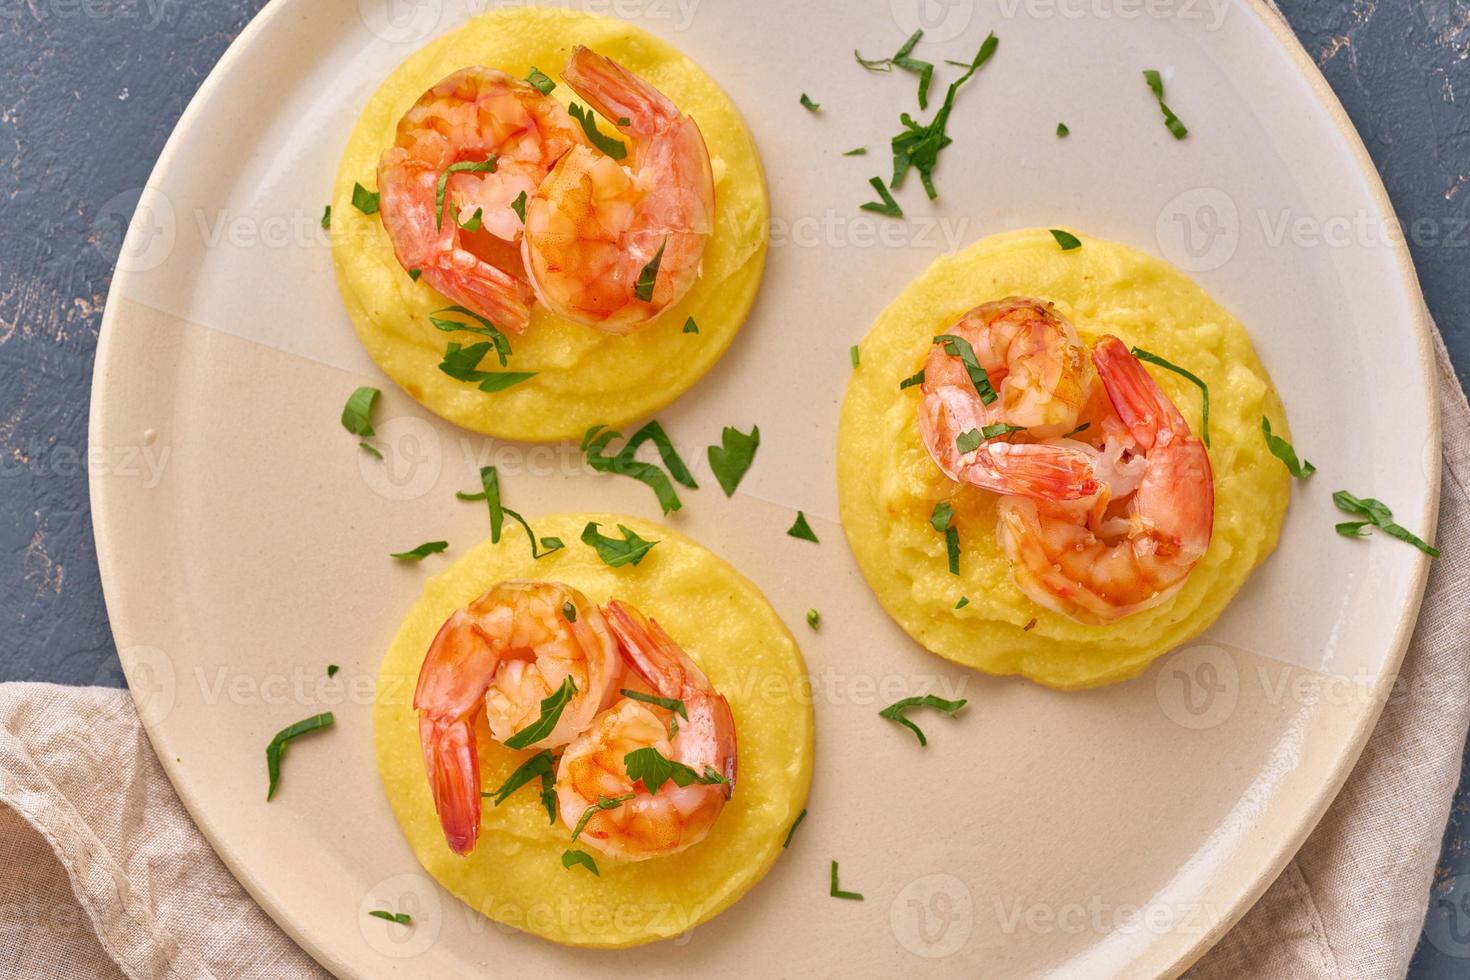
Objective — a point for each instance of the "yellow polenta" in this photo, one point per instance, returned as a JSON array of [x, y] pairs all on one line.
[[515, 873], [585, 376], [889, 486]]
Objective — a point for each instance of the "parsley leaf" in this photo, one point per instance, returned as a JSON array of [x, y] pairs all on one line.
[[860, 151], [918, 146], [968, 441], [421, 552], [402, 918], [801, 529], [486, 329], [794, 824], [462, 364], [625, 463], [957, 346], [276, 750], [577, 856], [732, 458], [1156, 85], [519, 206], [327, 217], [808, 104], [476, 222], [814, 619], [654, 769], [485, 166], [942, 520], [1144, 355], [1062, 130], [1377, 515], [541, 766], [912, 381], [648, 278], [603, 803], [1066, 239], [357, 414], [888, 206], [675, 705], [690, 326], [1282, 450], [837, 892], [363, 199], [1000, 429], [551, 708], [614, 553], [897, 710], [614, 148], [541, 80]]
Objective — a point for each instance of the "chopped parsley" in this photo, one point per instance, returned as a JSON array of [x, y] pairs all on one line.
[[363, 199], [551, 708], [540, 766], [648, 278], [357, 414], [413, 274], [486, 328], [968, 441], [614, 148], [1062, 130], [1000, 429], [860, 151], [490, 493], [675, 705], [814, 619], [402, 918], [463, 364], [794, 824], [942, 520], [690, 326], [1066, 239], [574, 856], [901, 59], [898, 709], [808, 104], [801, 529], [912, 381], [603, 803], [541, 80], [615, 553], [276, 750], [596, 439], [1156, 85], [476, 222], [964, 601], [327, 217], [569, 611], [1282, 450], [519, 206], [1375, 514], [918, 146], [485, 166], [654, 769], [421, 552], [855, 355], [956, 346], [332, 670], [888, 206], [837, 892], [732, 458], [1144, 355]]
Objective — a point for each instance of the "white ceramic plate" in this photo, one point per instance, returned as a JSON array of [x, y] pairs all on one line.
[[243, 536]]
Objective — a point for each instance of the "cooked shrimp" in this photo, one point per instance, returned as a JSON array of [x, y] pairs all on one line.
[[469, 117], [594, 767], [1039, 371], [1131, 545], [595, 226], [499, 656]]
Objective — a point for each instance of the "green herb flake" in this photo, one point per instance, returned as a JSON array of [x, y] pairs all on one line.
[[942, 520], [690, 326], [485, 328], [792, 832], [1081, 428], [276, 750], [860, 151], [370, 449], [1156, 85], [327, 217], [402, 918], [569, 611], [490, 484], [1282, 450], [625, 463], [576, 856], [917, 147], [837, 892], [957, 346], [943, 516], [541, 80], [615, 553], [603, 803], [1144, 355], [1376, 514], [897, 711], [675, 705], [485, 166], [912, 381], [357, 414], [414, 274], [654, 769], [648, 278], [901, 59], [551, 708], [1062, 130], [364, 200], [964, 601], [814, 619], [730, 460], [1000, 429], [421, 552], [1066, 239], [888, 206], [855, 356], [476, 222], [540, 766], [614, 148], [968, 441], [332, 670], [801, 529], [808, 104], [519, 206]]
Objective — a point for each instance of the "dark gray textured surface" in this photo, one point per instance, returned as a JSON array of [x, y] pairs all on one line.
[[90, 89]]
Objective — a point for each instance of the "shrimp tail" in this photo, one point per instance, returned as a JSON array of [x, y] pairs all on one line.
[[1140, 403], [477, 284], [1038, 470], [453, 764], [617, 94]]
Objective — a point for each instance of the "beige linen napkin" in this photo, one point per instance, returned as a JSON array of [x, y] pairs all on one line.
[[102, 873]]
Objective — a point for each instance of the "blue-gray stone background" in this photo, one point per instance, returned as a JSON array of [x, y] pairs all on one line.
[[90, 89]]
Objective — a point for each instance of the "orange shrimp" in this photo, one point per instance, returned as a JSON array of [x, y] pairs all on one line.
[[1042, 380], [1133, 543], [595, 766], [595, 228], [499, 657], [468, 118]]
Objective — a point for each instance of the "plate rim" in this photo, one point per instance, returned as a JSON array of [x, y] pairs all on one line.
[[1176, 959]]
